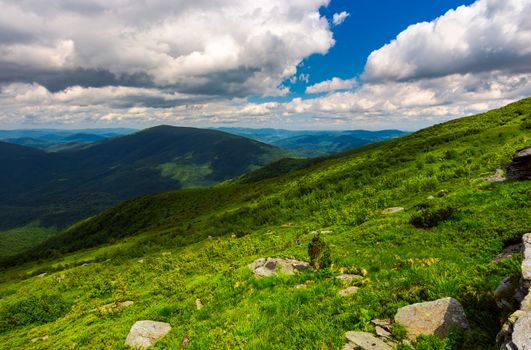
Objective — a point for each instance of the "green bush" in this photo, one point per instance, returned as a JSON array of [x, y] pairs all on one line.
[[319, 253], [430, 215], [35, 309]]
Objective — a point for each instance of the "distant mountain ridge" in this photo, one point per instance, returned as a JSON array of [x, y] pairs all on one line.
[[59, 188], [316, 143], [57, 139]]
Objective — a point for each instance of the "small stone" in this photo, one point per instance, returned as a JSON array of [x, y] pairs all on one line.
[[432, 318], [36, 339], [382, 332], [198, 304], [84, 264], [430, 198], [117, 306], [365, 341], [59, 279], [348, 277], [386, 324], [301, 286], [42, 275], [146, 333], [209, 238], [186, 341], [497, 177], [233, 235], [348, 291], [504, 295], [393, 210]]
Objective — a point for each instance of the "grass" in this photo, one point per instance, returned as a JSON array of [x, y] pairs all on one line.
[[16, 241], [155, 250]]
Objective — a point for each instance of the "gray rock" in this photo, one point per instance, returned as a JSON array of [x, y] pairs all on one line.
[[504, 295], [432, 318], [348, 291], [522, 332], [198, 304], [186, 341], [274, 266], [301, 286], [508, 253], [526, 263], [382, 332], [520, 167], [143, 334], [365, 341], [42, 275], [497, 177], [393, 210]]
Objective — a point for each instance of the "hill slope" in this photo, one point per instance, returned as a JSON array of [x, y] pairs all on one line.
[[157, 252], [309, 143], [62, 187]]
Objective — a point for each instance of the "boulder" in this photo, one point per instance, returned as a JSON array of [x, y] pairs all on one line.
[[274, 266], [432, 318], [365, 341], [497, 177], [393, 210], [522, 332], [143, 334], [520, 167], [526, 263]]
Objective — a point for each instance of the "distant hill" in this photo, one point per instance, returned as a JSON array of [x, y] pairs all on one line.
[[59, 188], [310, 143], [58, 139]]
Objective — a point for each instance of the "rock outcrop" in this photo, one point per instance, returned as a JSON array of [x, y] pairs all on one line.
[[273, 266], [143, 334], [432, 318], [516, 331], [365, 341], [520, 167]]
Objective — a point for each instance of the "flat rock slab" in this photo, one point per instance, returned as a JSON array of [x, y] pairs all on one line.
[[365, 341], [432, 318], [273, 266], [393, 210], [145, 333]]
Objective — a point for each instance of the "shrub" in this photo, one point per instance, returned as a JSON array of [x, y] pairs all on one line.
[[431, 215], [319, 253], [35, 309]]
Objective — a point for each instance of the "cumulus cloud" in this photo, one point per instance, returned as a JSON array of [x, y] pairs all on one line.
[[333, 84], [485, 36], [229, 48], [340, 17]]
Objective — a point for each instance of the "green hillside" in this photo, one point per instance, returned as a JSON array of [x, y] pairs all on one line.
[[57, 189], [156, 251]]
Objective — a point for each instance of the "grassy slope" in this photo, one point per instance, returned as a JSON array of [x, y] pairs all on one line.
[[17, 240], [169, 263]]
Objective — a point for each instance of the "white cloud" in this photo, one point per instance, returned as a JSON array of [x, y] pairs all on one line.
[[333, 84], [485, 36], [340, 17], [222, 47]]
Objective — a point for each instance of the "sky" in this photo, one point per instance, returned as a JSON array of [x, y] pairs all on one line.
[[294, 64]]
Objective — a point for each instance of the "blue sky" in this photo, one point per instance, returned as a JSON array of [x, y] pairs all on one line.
[[370, 25], [263, 63]]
